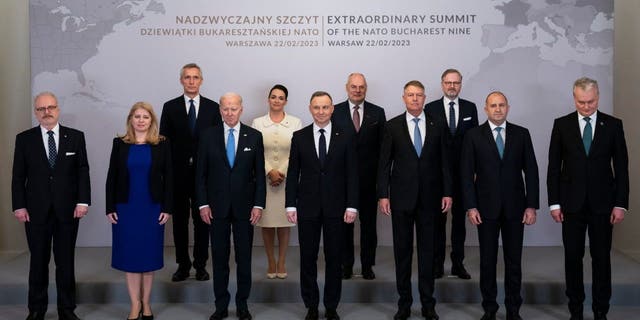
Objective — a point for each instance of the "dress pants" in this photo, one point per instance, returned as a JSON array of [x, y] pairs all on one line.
[[512, 235], [458, 233], [221, 229], [367, 214], [309, 231], [184, 206], [574, 228], [403, 223], [40, 238]]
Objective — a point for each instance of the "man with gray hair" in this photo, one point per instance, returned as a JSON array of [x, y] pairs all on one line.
[[588, 191], [50, 192]]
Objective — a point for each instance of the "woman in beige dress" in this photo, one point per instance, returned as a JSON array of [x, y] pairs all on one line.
[[277, 127]]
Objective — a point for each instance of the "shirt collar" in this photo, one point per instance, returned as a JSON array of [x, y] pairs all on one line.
[[447, 100], [493, 126], [351, 105], [285, 121], [56, 130], [196, 99], [226, 127], [327, 128], [593, 116], [410, 117]]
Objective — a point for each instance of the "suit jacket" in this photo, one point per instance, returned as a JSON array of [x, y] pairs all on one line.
[[39, 188], [224, 188], [467, 119], [314, 189], [404, 176], [599, 179], [174, 124], [368, 141], [160, 176], [493, 185]]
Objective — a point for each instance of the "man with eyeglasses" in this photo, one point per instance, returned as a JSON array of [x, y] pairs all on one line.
[[50, 194], [459, 115]]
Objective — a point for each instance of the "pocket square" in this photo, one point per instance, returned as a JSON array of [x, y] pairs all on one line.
[[246, 149], [466, 119], [70, 154]]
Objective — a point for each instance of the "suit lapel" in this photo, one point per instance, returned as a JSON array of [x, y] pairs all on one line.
[[310, 145], [405, 132], [574, 130], [508, 134], [243, 141], [599, 126], [39, 143], [488, 135], [222, 146]]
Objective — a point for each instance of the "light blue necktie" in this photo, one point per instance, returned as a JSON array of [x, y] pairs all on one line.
[[587, 135], [499, 142], [231, 148], [417, 138]]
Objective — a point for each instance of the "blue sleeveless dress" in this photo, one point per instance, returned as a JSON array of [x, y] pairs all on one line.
[[138, 239]]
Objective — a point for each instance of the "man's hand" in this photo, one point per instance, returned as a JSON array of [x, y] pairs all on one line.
[[617, 215], [256, 214], [80, 211], [206, 215], [474, 216], [163, 218], [384, 206], [22, 215], [292, 217], [529, 217], [349, 216], [557, 215], [446, 204], [112, 217]]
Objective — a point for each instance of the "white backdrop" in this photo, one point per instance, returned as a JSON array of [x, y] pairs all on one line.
[[100, 58]]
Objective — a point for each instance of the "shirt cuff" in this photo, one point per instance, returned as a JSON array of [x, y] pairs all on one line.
[[554, 207], [291, 209], [625, 209], [205, 206], [354, 210], [83, 204], [258, 207]]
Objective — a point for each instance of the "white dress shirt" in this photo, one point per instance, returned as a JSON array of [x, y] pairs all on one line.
[[411, 125], [196, 103], [456, 108]]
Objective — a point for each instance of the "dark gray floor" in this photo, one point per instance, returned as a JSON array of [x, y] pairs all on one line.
[[102, 293]]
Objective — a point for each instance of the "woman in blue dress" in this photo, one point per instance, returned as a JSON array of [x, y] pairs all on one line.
[[139, 203]]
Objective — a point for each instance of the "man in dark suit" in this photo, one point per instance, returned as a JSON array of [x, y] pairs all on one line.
[[50, 193], [321, 195], [183, 120], [231, 193], [588, 191], [365, 121], [495, 156], [459, 115], [414, 183]]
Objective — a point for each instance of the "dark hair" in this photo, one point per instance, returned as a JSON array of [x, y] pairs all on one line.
[[280, 87], [320, 94]]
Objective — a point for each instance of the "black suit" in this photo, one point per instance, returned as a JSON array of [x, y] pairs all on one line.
[[160, 176], [321, 194], [467, 118], [50, 197], [368, 140], [231, 193], [415, 185], [174, 124], [587, 187], [496, 188]]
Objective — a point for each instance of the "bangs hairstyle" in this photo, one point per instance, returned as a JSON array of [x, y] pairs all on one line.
[[153, 135]]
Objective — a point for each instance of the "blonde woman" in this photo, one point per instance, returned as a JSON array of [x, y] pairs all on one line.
[[139, 203]]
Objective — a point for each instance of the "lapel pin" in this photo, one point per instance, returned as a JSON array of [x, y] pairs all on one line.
[[245, 135], [601, 123], [337, 133]]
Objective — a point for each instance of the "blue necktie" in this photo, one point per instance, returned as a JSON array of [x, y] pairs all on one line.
[[53, 153], [417, 138], [499, 142], [452, 118], [231, 148], [192, 116], [587, 135], [322, 148]]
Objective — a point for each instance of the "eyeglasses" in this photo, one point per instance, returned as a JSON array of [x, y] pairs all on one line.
[[47, 108], [452, 83]]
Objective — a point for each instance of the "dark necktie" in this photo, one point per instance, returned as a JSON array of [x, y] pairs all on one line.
[[231, 148], [587, 135], [322, 148], [417, 138], [499, 142], [192, 116], [452, 118], [356, 118], [53, 153]]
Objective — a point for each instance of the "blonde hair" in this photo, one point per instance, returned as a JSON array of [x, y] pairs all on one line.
[[153, 135]]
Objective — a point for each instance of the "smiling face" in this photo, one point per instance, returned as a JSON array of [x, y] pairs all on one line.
[[46, 111], [140, 121], [321, 109], [277, 100]]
